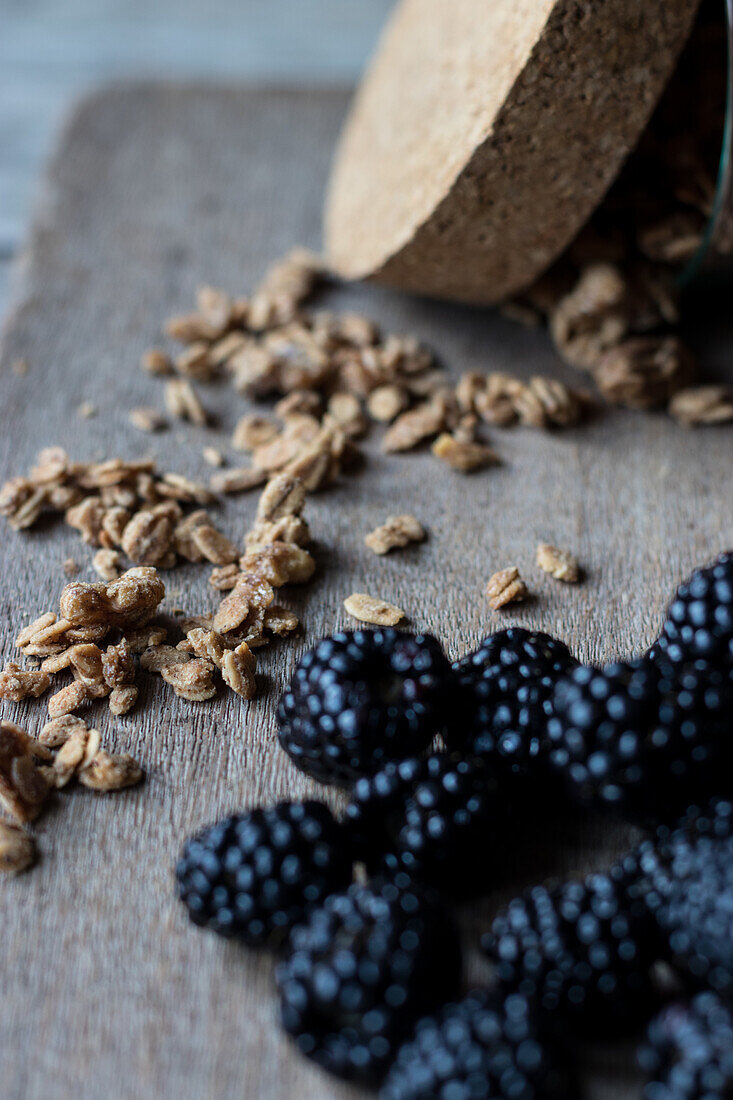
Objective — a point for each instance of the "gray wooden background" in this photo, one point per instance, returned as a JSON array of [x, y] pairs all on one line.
[[51, 51]]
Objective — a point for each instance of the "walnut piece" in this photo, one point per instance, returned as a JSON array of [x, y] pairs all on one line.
[[370, 609], [560, 564], [506, 587], [395, 532]]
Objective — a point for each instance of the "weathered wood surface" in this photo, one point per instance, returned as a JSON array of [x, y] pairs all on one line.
[[106, 991]]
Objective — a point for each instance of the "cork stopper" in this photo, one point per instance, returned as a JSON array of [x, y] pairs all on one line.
[[485, 134]]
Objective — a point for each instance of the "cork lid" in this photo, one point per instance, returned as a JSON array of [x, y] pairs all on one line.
[[486, 132]]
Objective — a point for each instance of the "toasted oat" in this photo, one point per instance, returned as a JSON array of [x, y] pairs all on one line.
[[142, 639], [506, 587], [182, 402], [17, 849], [107, 772], [298, 401], [496, 402], [224, 577], [106, 564], [386, 402], [146, 419], [560, 564], [193, 680], [158, 657], [414, 427], [68, 699], [239, 479], [29, 632], [194, 362], [293, 529], [369, 609], [17, 684], [75, 754], [253, 431], [346, 411], [24, 785], [147, 538], [57, 731], [238, 670], [396, 531], [207, 644], [463, 456], [284, 495], [214, 546], [212, 456], [245, 605], [279, 563], [122, 699], [278, 620], [701, 405], [157, 362]]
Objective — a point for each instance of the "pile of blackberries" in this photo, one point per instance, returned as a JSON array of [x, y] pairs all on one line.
[[360, 908]]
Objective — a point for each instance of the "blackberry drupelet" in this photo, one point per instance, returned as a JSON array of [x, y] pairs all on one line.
[[688, 1054], [361, 970], [256, 875], [505, 690], [361, 698], [438, 819], [686, 881], [630, 737], [699, 623], [484, 1047], [579, 952]]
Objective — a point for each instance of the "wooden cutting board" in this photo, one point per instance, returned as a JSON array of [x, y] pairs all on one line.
[[106, 990]]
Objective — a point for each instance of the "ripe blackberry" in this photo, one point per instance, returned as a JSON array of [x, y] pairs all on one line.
[[630, 737], [688, 1054], [361, 698], [686, 881], [484, 1046], [699, 623], [361, 970], [504, 694], [256, 875], [432, 818], [579, 952]]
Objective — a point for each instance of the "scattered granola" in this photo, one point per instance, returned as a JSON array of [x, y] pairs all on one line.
[[462, 455], [369, 609], [17, 849], [107, 564], [395, 532], [212, 456], [506, 587], [24, 784], [183, 403], [192, 679], [560, 564]]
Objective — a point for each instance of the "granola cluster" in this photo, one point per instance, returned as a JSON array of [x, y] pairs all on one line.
[[31, 769], [335, 376], [508, 586], [125, 508]]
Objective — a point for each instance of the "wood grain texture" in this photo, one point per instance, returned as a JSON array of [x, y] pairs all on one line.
[[107, 992]]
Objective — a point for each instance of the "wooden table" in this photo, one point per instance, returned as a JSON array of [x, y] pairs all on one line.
[[107, 991]]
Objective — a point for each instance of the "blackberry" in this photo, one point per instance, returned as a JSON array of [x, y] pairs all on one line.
[[361, 970], [256, 875], [686, 881], [629, 737], [432, 818], [688, 1054], [484, 1046], [361, 698], [699, 623], [579, 952], [504, 694]]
